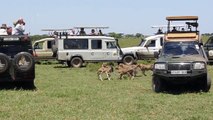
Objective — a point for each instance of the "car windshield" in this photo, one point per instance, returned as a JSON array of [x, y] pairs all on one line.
[[181, 48]]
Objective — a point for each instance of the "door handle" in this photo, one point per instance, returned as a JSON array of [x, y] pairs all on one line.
[[107, 53], [92, 53]]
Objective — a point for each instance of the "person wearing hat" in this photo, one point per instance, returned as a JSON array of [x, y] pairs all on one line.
[[3, 29], [19, 27]]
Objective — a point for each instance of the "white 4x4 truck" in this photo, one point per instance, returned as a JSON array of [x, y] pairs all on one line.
[[76, 50], [147, 47]]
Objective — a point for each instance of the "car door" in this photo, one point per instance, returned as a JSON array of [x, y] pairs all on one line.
[[152, 46], [147, 51], [96, 52], [43, 49], [111, 51]]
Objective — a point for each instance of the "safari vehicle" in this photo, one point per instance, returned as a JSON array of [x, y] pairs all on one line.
[[78, 49], [147, 47], [151, 44], [182, 59], [208, 46], [16, 59], [43, 49]]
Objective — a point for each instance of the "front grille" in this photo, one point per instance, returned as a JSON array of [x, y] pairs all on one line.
[[179, 66]]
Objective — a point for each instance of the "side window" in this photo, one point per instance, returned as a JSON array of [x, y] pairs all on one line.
[[151, 43], [161, 41], [210, 41], [96, 44], [38, 45], [75, 43], [49, 44], [110, 45]]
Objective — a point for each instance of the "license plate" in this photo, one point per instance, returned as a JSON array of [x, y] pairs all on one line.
[[179, 72]]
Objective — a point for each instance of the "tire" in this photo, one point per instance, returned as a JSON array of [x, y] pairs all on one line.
[[76, 62], [157, 84], [23, 62], [128, 60], [206, 84], [4, 63]]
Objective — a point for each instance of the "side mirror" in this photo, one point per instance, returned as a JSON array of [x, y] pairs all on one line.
[[156, 54]]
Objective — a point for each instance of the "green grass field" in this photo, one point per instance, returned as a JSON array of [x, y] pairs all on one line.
[[76, 93]]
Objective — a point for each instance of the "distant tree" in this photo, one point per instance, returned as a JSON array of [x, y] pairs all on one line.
[[129, 35], [37, 37], [116, 35], [138, 35]]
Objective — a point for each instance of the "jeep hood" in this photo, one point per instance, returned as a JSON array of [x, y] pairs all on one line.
[[131, 49], [182, 58]]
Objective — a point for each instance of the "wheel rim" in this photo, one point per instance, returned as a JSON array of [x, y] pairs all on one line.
[[128, 60], [76, 62], [24, 62]]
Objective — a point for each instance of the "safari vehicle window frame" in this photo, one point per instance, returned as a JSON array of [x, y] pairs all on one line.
[[96, 44], [182, 51], [83, 44], [210, 41], [113, 45], [149, 42], [49, 44]]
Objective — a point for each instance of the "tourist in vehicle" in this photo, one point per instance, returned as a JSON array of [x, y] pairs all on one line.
[[9, 30], [3, 29], [160, 31], [19, 27], [100, 33], [82, 32], [174, 29], [182, 29], [92, 32]]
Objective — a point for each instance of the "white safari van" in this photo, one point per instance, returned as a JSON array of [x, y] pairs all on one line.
[[76, 50]]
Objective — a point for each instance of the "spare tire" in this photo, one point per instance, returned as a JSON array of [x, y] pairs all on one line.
[[23, 62], [4, 63]]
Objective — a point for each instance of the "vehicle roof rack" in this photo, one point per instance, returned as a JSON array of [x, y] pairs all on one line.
[[65, 32], [165, 26], [92, 27], [176, 18], [189, 32]]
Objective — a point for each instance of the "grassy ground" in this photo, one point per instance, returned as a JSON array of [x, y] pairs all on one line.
[[76, 93], [73, 93]]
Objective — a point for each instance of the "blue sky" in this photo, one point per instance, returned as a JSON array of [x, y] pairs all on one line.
[[122, 16]]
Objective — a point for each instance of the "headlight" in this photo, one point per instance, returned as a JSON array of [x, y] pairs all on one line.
[[160, 66], [198, 66]]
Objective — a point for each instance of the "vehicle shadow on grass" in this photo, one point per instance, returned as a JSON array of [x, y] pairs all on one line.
[[182, 89], [17, 86], [61, 66], [65, 66]]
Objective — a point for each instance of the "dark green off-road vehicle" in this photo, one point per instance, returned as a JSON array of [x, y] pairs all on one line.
[[16, 60], [182, 59]]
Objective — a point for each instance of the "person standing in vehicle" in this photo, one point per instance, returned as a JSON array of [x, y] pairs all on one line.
[[3, 29], [92, 32], [82, 32], [19, 27]]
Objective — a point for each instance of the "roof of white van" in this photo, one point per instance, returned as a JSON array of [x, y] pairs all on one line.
[[88, 37]]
